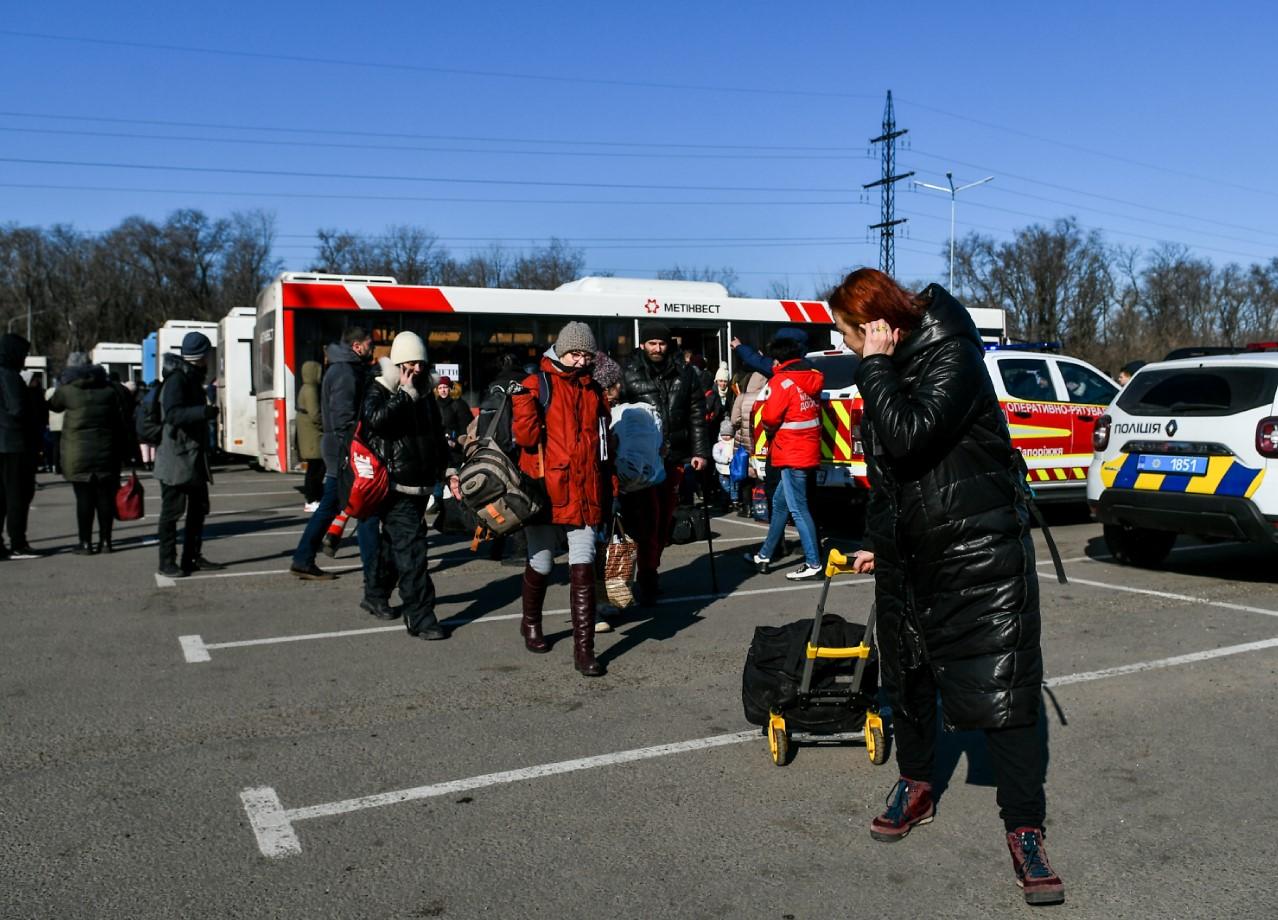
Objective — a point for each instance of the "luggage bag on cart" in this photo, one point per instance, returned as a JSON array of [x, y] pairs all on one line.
[[815, 680]]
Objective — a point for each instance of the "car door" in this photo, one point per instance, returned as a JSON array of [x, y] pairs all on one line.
[[1088, 393], [1038, 419]]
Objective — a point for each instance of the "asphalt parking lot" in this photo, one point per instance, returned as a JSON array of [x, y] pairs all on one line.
[[242, 744]]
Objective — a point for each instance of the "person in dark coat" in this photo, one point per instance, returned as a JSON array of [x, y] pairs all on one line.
[[656, 375], [404, 429], [455, 415], [17, 468], [949, 543], [182, 458], [94, 444]]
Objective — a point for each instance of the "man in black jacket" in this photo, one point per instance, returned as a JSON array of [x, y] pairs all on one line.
[[657, 376], [405, 431], [341, 396], [181, 460], [17, 466]]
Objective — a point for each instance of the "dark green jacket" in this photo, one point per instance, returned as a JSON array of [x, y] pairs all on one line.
[[93, 428]]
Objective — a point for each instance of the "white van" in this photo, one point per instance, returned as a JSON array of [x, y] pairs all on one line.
[[236, 400]]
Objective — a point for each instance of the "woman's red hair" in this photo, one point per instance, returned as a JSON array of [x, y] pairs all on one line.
[[869, 294]]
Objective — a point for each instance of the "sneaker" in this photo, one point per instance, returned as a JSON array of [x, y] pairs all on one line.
[[379, 608], [908, 804], [602, 625], [25, 551], [804, 572], [310, 507], [171, 570], [328, 546], [1033, 872], [311, 572], [759, 562]]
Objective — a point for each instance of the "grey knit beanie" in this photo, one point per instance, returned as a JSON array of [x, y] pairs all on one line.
[[575, 337]]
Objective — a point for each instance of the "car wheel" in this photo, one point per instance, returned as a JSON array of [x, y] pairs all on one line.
[[1138, 545]]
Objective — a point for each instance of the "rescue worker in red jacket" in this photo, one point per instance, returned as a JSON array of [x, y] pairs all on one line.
[[792, 417], [563, 434]]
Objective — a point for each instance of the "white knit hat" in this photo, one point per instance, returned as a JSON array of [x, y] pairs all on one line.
[[722, 372], [407, 346]]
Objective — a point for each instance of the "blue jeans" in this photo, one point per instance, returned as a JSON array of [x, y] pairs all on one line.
[[317, 526], [791, 499]]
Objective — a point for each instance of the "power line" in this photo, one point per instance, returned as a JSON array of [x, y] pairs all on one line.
[[365, 146], [40, 186], [422, 68], [1109, 198], [295, 174], [366, 133]]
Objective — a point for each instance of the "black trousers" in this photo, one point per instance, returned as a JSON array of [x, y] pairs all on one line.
[[97, 496], [17, 488], [402, 549], [191, 500], [1017, 755], [313, 483]]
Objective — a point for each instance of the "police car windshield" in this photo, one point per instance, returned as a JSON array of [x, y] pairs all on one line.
[[1199, 391], [839, 370]]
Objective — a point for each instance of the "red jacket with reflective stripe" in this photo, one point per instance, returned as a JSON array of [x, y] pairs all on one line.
[[792, 415]]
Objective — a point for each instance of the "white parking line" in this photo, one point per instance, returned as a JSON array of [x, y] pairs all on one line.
[[1175, 597], [276, 836], [195, 650]]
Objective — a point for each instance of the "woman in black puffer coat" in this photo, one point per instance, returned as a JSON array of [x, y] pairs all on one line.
[[948, 538]]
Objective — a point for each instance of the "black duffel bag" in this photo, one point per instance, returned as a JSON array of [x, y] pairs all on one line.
[[774, 668]]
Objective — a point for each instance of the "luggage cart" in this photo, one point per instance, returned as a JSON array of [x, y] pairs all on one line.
[[780, 737]]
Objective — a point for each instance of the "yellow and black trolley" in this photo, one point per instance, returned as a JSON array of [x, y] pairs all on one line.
[[846, 690]]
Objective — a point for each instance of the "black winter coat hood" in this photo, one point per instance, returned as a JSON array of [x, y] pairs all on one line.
[[955, 579]]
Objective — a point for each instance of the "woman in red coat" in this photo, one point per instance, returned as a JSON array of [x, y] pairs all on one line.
[[563, 433]]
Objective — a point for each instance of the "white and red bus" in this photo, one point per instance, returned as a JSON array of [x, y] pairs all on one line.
[[467, 330]]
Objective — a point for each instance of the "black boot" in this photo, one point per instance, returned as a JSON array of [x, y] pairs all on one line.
[[534, 597], [83, 548], [582, 603]]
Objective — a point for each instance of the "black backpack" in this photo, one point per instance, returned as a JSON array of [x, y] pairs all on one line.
[[687, 525], [774, 668], [150, 420]]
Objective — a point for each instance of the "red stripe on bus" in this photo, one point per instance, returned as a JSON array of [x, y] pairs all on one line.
[[299, 294], [281, 434], [792, 310], [817, 311], [420, 299]]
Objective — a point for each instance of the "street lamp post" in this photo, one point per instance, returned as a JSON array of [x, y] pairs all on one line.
[[953, 192]]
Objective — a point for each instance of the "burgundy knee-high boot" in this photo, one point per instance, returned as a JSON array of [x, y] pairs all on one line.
[[582, 602], [534, 596]]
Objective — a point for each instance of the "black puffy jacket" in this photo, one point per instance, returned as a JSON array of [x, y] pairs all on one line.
[[956, 586], [674, 390], [406, 433]]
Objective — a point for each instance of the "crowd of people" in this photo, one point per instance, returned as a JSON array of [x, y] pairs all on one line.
[[947, 526]]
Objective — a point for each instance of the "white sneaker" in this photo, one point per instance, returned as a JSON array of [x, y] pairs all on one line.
[[756, 559], [310, 507], [602, 626], [804, 572]]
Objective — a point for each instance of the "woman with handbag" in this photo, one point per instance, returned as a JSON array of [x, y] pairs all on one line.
[[562, 435], [94, 439]]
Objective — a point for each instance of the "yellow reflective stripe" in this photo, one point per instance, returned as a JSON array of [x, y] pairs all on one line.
[[1059, 473], [1209, 482], [1149, 481], [1034, 431], [841, 410], [1255, 484], [1109, 470]]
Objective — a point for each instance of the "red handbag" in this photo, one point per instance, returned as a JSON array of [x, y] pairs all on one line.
[[128, 499], [372, 482]]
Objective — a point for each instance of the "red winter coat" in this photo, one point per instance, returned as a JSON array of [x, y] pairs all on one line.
[[792, 415], [573, 441]]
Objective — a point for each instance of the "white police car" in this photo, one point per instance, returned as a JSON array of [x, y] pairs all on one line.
[[1190, 446]]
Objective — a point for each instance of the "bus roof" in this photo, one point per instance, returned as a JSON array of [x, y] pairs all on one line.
[[645, 286]]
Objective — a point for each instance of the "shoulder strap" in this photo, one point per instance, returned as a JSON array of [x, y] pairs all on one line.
[[544, 390]]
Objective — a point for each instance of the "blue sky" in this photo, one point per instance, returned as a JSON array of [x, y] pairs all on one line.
[[1152, 121]]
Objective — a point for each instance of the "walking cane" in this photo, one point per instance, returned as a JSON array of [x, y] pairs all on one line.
[[705, 515]]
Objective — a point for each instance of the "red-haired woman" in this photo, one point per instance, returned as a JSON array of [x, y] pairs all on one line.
[[948, 539]]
